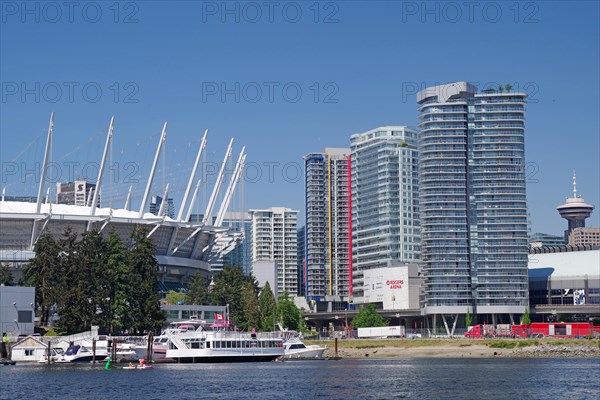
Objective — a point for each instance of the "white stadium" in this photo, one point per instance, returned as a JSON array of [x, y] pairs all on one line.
[[182, 247]]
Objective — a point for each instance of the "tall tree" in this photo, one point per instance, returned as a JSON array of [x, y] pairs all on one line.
[[197, 292], [44, 273], [80, 262], [6, 276], [288, 314], [144, 298], [368, 317], [117, 273], [228, 286], [268, 308], [250, 306]]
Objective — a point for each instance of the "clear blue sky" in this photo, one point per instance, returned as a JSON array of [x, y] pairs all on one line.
[[365, 58]]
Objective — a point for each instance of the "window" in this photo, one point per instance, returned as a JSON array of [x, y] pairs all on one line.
[[28, 352], [25, 316]]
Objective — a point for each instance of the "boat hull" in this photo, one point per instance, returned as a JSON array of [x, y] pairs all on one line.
[[306, 353], [227, 359]]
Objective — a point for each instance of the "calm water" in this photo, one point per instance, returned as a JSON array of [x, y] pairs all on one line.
[[481, 379]]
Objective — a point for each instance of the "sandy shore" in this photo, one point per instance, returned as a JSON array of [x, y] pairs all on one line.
[[458, 349]]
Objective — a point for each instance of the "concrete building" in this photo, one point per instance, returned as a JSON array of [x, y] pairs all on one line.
[[267, 271], [393, 288], [584, 237], [17, 310], [472, 201], [328, 225], [385, 205], [77, 193], [575, 211], [274, 239]]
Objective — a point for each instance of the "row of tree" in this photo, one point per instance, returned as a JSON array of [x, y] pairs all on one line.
[[96, 280], [249, 305]]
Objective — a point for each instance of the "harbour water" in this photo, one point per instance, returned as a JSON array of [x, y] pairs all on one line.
[[342, 379]]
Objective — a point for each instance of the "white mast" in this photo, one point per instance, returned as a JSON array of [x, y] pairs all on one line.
[[232, 184], [128, 200], [38, 206], [191, 181], [151, 177], [161, 209], [215, 192], [102, 164], [196, 191]]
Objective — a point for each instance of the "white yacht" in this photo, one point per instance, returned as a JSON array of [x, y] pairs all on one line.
[[295, 348], [79, 353], [214, 343]]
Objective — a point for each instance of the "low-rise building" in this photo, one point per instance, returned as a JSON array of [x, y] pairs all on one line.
[[17, 310], [584, 237]]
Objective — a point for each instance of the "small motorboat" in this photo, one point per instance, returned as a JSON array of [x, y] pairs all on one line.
[[295, 348]]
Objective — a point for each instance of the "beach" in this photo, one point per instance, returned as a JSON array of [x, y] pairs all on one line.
[[459, 348]]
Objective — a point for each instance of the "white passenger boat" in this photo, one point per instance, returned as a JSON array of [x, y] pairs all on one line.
[[215, 343], [295, 348]]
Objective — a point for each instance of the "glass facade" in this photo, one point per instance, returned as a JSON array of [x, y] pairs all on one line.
[[385, 204], [472, 200]]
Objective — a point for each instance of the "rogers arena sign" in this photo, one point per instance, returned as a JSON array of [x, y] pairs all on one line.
[[388, 286], [395, 284]]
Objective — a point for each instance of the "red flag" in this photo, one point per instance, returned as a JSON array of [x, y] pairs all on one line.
[[218, 316]]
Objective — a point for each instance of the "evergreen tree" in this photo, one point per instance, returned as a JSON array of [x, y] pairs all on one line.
[[268, 308], [197, 292], [288, 314], [6, 276], [44, 273], [368, 317], [525, 319], [468, 319], [80, 264], [144, 299], [228, 286], [250, 306], [117, 315]]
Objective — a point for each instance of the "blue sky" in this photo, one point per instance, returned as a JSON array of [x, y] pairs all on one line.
[[356, 64]]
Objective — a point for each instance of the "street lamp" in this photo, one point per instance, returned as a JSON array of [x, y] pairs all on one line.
[[398, 316]]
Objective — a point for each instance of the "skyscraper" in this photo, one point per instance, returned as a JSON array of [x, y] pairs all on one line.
[[385, 208], [328, 225], [274, 238], [472, 200], [168, 209]]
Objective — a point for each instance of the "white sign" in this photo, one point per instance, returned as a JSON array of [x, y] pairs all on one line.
[[388, 286]]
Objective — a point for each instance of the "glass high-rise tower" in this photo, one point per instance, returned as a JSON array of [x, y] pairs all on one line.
[[385, 209], [472, 200]]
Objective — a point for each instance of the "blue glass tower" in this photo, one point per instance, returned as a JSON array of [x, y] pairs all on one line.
[[473, 202]]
